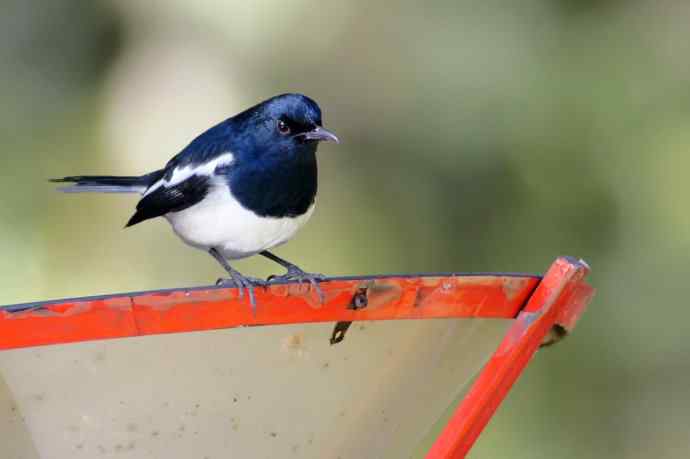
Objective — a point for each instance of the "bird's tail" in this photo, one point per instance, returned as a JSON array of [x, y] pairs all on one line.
[[108, 183]]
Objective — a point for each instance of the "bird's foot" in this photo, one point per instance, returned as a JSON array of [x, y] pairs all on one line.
[[243, 283], [296, 274]]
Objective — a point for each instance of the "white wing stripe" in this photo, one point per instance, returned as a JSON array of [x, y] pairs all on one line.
[[179, 175]]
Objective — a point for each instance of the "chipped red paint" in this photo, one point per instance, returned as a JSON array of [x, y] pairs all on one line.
[[560, 299], [184, 310]]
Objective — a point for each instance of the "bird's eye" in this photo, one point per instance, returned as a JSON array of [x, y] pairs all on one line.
[[283, 128]]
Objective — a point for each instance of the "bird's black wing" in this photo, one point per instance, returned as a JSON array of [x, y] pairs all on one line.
[[162, 198], [175, 198]]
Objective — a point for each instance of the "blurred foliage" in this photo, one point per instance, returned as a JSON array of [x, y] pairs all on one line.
[[477, 136]]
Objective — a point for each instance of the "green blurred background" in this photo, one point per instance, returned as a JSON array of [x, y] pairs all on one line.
[[476, 136]]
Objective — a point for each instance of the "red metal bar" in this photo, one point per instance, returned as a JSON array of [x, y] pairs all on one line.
[[559, 299], [206, 308]]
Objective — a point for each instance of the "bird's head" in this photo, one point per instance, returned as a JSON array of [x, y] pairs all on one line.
[[285, 127]]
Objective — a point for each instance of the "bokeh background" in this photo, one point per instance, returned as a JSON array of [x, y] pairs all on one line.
[[476, 136]]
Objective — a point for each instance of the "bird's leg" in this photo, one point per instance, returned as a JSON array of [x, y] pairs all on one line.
[[237, 279], [295, 273]]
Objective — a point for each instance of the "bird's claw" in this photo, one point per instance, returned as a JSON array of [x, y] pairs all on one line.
[[296, 274], [243, 283]]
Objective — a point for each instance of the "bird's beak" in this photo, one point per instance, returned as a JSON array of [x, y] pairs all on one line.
[[321, 134]]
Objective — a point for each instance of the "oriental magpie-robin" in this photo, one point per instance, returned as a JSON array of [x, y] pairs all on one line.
[[242, 187]]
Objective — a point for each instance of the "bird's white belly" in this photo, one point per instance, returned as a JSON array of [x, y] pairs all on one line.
[[220, 222]]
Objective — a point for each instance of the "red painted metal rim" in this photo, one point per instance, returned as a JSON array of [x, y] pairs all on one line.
[[206, 308], [41, 304]]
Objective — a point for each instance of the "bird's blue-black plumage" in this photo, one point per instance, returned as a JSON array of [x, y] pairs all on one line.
[[171, 199], [272, 175]]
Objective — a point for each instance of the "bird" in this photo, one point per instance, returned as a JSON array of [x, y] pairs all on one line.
[[241, 188]]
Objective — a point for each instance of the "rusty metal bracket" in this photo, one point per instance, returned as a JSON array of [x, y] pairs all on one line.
[[360, 300]]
